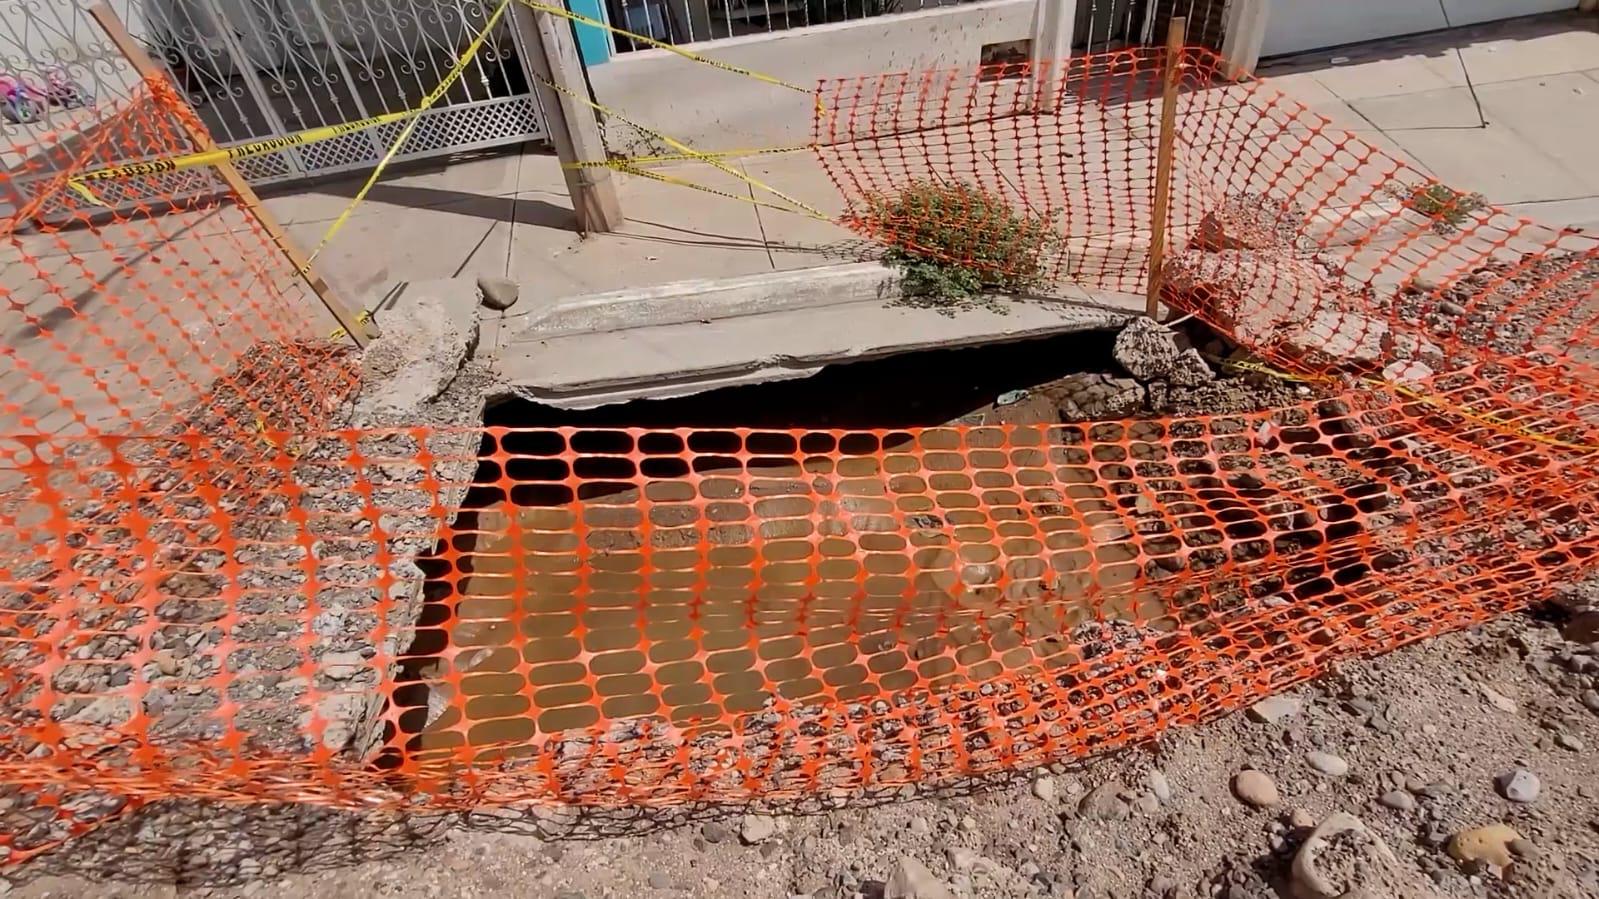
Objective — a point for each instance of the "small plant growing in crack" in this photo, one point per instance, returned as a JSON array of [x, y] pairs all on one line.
[[1448, 208], [959, 245]]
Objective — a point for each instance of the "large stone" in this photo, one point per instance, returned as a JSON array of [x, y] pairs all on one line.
[[1519, 785], [498, 293], [1489, 844], [1104, 802], [1256, 788], [912, 880], [1146, 349], [961, 858], [1328, 764]]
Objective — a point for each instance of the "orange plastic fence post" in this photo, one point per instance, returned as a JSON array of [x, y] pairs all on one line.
[[360, 330], [1168, 137]]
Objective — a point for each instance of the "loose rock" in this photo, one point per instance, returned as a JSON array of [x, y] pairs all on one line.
[[1146, 804], [1518, 785], [1104, 803], [715, 832], [757, 829], [911, 880], [1275, 709], [1496, 699], [1489, 844], [1328, 764], [1159, 785], [1146, 349], [1161, 886], [1044, 788], [1256, 788], [961, 858], [498, 293], [1567, 741], [1398, 800]]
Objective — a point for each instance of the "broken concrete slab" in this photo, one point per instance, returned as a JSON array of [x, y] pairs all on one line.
[[1249, 221], [688, 337], [1148, 351], [1255, 295], [421, 351], [1339, 336]]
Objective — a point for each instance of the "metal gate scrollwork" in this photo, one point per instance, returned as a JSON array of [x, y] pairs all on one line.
[[258, 69]]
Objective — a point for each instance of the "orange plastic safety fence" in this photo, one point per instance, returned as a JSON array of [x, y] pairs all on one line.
[[211, 588], [1312, 246]]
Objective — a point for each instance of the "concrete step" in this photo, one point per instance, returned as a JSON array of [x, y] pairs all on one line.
[[679, 339]]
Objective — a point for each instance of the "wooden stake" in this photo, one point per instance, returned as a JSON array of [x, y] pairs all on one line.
[[1168, 139], [359, 331], [549, 56]]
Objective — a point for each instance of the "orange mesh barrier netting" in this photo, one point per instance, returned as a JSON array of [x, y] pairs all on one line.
[[217, 587]]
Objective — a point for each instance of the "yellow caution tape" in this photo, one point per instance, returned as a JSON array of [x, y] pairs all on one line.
[[1487, 419], [242, 151], [361, 318], [83, 191], [80, 184], [630, 161], [691, 154], [410, 127], [683, 182]]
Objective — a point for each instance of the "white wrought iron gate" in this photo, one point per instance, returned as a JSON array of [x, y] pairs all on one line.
[[258, 69]]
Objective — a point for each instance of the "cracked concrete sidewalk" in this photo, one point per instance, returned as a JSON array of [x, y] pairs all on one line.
[[1509, 109]]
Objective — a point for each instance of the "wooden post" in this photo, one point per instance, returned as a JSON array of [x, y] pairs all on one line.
[[1168, 139], [549, 56], [359, 331], [1053, 24]]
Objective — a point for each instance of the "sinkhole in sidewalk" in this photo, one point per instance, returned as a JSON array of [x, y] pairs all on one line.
[[819, 540]]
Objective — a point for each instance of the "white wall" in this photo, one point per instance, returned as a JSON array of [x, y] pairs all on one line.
[[710, 109], [1296, 25]]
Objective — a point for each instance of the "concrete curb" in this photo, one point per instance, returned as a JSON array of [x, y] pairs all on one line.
[[692, 336]]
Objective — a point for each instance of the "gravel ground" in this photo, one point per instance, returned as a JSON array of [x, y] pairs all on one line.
[[1459, 767], [1422, 746]]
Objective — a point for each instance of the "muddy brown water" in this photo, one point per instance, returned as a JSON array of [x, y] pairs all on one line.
[[703, 574]]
